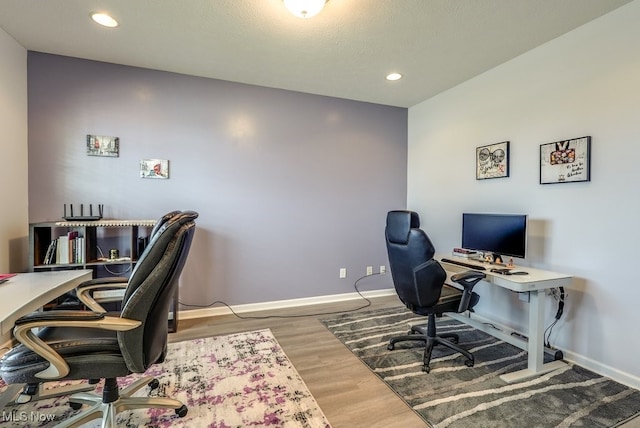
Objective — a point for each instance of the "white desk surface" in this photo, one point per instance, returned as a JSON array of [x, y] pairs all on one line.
[[536, 279], [535, 282], [27, 292]]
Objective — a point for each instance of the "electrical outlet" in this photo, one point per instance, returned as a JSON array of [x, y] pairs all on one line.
[[383, 269], [369, 270], [343, 272]]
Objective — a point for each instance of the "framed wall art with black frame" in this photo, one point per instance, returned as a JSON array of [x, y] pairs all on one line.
[[567, 161], [492, 161]]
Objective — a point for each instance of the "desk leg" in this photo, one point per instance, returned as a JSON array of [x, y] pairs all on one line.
[[535, 347]]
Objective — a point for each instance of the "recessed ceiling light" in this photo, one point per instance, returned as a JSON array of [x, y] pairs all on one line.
[[394, 76], [104, 19], [304, 8]]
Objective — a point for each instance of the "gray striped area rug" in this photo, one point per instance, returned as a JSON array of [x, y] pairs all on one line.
[[454, 395]]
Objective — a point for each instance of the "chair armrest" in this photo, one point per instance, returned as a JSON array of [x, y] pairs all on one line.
[[85, 291], [468, 280], [58, 367], [59, 315], [109, 281]]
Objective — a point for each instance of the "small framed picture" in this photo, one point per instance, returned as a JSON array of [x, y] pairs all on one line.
[[566, 161], [99, 145], [154, 168], [492, 161]]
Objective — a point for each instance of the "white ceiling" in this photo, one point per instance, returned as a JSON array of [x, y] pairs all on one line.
[[345, 51]]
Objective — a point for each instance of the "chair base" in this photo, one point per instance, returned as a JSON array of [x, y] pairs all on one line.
[[422, 333], [20, 394], [109, 410]]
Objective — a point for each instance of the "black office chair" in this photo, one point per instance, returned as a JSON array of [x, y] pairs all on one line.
[[85, 344], [419, 281], [83, 295]]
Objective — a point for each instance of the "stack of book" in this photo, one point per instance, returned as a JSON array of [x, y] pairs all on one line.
[[66, 249], [467, 254]]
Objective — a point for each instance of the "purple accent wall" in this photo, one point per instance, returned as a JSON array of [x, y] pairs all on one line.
[[289, 186]]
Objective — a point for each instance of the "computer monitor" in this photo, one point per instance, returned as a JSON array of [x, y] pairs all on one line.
[[498, 234]]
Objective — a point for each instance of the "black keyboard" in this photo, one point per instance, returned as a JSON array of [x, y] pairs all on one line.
[[467, 265]]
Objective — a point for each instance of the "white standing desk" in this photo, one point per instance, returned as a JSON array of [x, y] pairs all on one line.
[[536, 283], [27, 292]]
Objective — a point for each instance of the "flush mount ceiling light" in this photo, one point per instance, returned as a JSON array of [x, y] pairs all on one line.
[[104, 19], [304, 8], [394, 76]]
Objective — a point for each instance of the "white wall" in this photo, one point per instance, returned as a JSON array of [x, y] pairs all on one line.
[[586, 82], [14, 226]]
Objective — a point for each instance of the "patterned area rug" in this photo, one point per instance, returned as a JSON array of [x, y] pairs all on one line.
[[239, 380], [456, 396]]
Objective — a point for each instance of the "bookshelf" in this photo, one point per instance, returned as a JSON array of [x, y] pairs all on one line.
[[64, 245], [88, 245]]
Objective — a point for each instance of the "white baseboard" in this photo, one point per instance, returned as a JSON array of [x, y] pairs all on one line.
[[281, 304], [603, 370]]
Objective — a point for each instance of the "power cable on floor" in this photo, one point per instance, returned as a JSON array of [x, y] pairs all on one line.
[[355, 286]]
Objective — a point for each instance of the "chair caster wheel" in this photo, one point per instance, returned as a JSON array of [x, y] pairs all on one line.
[[155, 383], [468, 363], [390, 347], [30, 389], [182, 411], [75, 406], [426, 369]]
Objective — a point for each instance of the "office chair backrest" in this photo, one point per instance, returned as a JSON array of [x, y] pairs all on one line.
[[417, 277], [160, 225], [162, 221], [150, 291]]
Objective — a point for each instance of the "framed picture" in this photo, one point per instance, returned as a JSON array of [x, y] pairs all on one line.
[[492, 161], [567, 161], [99, 145], [154, 168]]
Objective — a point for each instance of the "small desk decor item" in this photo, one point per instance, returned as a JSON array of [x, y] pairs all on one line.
[[99, 145], [565, 161], [492, 161], [154, 168]]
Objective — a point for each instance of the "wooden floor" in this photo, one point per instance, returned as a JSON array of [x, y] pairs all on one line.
[[346, 390]]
